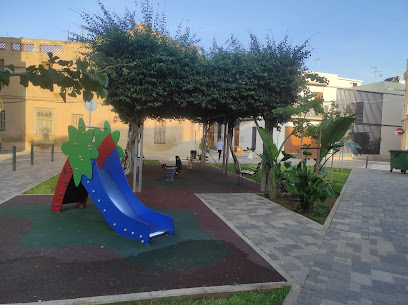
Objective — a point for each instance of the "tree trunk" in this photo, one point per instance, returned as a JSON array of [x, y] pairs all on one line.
[[319, 143], [130, 146], [234, 156], [237, 167], [266, 168], [274, 188], [301, 141], [224, 150], [204, 144]]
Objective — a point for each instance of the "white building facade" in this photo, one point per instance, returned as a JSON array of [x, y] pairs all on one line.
[[249, 137]]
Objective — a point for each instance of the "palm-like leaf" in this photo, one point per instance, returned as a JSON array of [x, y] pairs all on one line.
[[333, 130], [271, 149], [352, 146]]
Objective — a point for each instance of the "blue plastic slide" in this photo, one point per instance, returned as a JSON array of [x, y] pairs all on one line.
[[123, 211]]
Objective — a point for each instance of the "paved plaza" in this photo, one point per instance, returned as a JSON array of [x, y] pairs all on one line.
[[26, 176], [360, 255]]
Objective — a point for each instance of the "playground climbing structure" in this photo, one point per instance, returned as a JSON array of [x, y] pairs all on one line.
[[94, 169]]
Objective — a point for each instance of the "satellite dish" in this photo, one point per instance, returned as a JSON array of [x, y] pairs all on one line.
[[91, 105]]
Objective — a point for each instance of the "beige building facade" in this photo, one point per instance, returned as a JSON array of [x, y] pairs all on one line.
[[38, 116]]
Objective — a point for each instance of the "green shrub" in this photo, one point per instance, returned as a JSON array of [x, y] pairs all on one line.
[[307, 187]]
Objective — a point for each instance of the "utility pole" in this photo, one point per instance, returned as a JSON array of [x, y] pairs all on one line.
[[318, 59]]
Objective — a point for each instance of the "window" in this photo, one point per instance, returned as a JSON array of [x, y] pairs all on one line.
[[44, 48], [15, 46], [75, 119], [44, 123], [25, 47], [3, 120], [359, 112], [159, 132], [2, 45], [2, 64], [28, 47]]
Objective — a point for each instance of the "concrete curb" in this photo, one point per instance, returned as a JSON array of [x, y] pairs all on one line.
[[287, 276], [333, 210], [294, 293], [183, 293]]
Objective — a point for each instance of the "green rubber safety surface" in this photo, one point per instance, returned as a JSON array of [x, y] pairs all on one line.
[[45, 255], [86, 227]]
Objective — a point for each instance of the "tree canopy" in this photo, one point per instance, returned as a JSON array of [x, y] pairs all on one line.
[[164, 76], [72, 79], [168, 77], [160, 77]]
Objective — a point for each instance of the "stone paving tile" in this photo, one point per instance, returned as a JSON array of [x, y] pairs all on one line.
[[294, 234], [360, 258], [13, 183]]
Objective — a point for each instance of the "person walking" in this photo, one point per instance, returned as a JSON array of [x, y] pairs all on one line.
[[220, 145]]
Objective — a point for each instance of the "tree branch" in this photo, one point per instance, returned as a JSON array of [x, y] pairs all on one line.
[[18, 73], [114, 66], [24, 73]]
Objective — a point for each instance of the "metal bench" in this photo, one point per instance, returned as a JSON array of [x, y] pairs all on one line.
[[251, 173]]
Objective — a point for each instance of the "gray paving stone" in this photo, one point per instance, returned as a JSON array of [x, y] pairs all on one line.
[[304, 298], [354, 296], [401, 298], [338, 285], [360, 278], [315, 300], [360, 267], [336, 296], [379, 297], [382, 276], [360, 257], [26, 176]]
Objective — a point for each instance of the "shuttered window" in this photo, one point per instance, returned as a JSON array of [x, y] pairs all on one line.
[[3, 120], [75, 119], [159, 132]]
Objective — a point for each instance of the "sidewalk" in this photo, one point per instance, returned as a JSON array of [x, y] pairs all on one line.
[[360, 256], [26, 176]]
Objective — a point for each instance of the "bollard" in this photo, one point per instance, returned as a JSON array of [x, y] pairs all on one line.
[[32, 154], [52, 152], [14, 158], [366, 162]]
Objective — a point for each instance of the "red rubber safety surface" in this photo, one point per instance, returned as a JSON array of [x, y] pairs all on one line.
[[31, 274]]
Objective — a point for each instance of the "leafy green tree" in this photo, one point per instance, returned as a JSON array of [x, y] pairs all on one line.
[[254, 82], [333, 130], [305, 185], [228, 95], [277, 81], [303, 125], [271, 158], [160, 76], [72, 79]]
